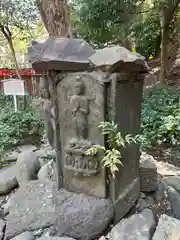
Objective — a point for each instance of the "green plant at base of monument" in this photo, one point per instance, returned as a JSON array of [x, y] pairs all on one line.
[[115, 142]]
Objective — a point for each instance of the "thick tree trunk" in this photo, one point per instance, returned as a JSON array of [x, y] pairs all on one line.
[[56, 17]]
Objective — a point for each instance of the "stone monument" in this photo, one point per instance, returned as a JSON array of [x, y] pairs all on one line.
[[94, 87]]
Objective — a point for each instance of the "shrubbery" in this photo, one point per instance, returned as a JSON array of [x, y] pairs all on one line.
[[160, 119], [15, 127]]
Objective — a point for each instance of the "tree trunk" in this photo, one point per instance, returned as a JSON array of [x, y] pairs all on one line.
[[166, 16], [14, 57], [56, 17], [8, 35], [164, 56]]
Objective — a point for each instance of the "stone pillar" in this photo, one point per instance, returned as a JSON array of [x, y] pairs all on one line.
[[124, 70], [81, 103], [125, 188]]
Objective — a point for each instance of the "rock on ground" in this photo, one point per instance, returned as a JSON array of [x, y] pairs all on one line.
[[7, 205], [137, 227], [38, 204], [32, 208], [168, 229], [166, 169], [24, 236], [46, 171], [148, 173], [81, 216], [174, 199], [2, 228], [160, 193], [24, 148], [8, 180], [55, 238], [173, 181], [27, 167], [10, 156]]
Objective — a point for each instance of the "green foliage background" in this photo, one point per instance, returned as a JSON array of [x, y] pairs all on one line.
[[160, 119], [16, 127]]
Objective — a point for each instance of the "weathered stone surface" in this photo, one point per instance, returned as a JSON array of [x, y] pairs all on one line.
[[46, 171], [161, 191], [60, 54], [142, 204], [125, 188], [55, 238], [80, 130], [148, 173], [137, 227], [111, 56], [24, 236], [167, 229], [49, 120], [32, 208], [8, 179], [10, 156], [166, 169], [27, 167], [174, 199], [173, 181], [7, 205], [75, 214], [81, 216], [83, 98], [46, 153], [2, 228], [126, 199], [29, 147]]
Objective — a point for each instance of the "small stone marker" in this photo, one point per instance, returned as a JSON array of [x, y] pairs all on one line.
[[148, 173]]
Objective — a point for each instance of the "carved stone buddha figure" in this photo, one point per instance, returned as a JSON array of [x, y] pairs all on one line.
[[79, 107]]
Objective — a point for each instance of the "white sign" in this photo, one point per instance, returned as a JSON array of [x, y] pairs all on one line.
[[13, 86]]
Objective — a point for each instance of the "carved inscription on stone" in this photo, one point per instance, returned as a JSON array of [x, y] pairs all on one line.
[[75, 158]]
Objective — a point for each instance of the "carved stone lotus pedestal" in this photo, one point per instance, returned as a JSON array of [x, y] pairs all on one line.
[[93, 87], [78, 162]]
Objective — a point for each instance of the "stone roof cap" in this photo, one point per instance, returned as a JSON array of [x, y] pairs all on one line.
[[61, 54], [114, 57]]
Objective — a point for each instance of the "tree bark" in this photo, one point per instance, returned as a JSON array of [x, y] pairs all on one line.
[[8, 35], [14, 57], [164, 57], [166, 16], [56, 17]]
